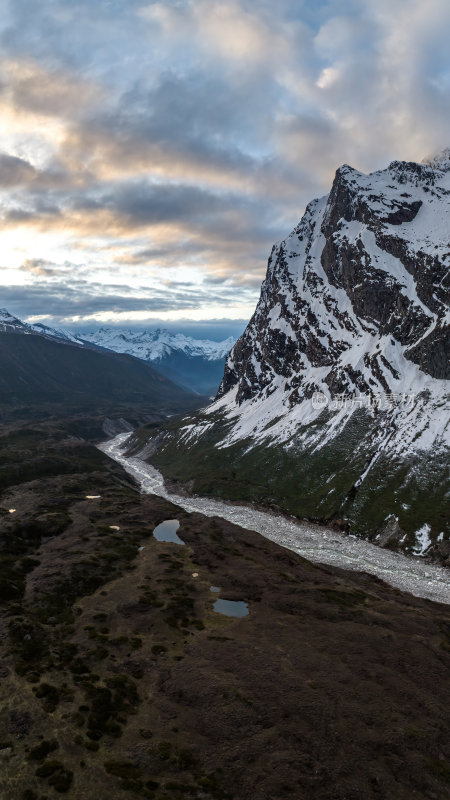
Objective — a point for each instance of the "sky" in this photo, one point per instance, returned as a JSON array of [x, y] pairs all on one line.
[[152, 153]]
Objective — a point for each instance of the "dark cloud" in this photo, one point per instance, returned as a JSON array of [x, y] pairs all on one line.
[[55, 300], [15, 171], [141, 203]]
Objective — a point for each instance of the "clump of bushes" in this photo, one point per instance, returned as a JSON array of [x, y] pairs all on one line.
[[107, 703], [49, 695], [57, 775], [157, 649], [42, 750]]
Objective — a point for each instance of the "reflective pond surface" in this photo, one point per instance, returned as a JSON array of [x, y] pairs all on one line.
[[231, 608], [167, 532]]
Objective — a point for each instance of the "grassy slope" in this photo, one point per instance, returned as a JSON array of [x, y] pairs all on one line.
[[118, 679]]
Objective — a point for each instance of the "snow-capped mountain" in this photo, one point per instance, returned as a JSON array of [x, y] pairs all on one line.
[[41, 365], [355, 305], [57, 333], [9, 323], [335, 400], [155, 345]]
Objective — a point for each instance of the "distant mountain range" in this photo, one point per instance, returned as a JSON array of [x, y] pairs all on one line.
[[335, 402], [155, 345], [39, 364], [195, 364]]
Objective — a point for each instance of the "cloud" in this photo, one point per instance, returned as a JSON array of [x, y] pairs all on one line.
[[15, 171], [169, 144], [51, 269], [186, 224], [50, 300], [40, 267], [227, 30], [45, 91]]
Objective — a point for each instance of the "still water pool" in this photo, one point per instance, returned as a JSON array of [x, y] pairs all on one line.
[[167, 531], [231, 608]]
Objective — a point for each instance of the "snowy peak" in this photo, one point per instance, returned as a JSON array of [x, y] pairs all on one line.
[[56, 333], [355, 302], [10, 323], [5, 316], [196, 365], [151, 345], [440, 160]]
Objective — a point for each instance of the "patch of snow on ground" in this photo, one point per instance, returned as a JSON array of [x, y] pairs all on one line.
[[423, 540]]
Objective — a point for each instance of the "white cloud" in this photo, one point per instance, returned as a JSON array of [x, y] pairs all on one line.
[[328, 77]]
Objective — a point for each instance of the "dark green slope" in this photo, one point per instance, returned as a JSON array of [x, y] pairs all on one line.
[[36, 369]]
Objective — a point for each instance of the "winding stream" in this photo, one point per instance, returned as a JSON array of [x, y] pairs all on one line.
[[305, 538]]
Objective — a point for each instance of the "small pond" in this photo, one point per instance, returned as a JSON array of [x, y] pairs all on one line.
[[167, 532], [231, 608]]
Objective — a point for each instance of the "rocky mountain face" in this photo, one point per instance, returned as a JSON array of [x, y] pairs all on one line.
[[335, 401], [362, 283]]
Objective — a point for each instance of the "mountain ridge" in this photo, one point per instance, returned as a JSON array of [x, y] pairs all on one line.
[[195, 364], [37, 367]]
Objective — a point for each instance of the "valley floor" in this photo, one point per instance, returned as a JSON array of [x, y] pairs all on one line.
[[118, 679], [311, 541]]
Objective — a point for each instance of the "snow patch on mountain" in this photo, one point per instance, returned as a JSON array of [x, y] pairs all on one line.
[[10, 323], [423, 541], [57, 333]]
